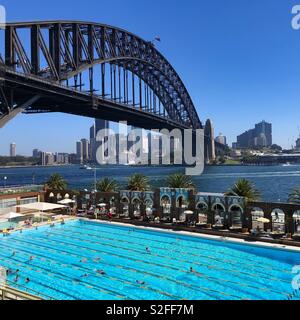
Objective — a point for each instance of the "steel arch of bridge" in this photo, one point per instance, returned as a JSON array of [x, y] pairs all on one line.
[[50, 57]]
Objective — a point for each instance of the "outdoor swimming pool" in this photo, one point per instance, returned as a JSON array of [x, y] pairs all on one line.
[[7, 225], [67, 257]]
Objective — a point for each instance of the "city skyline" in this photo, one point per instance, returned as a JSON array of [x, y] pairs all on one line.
[[89, 145], [255, 75]]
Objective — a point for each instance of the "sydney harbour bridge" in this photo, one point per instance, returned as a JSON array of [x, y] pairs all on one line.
[[92, 70]]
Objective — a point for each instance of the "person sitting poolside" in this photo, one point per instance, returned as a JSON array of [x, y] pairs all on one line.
[[63, 221]]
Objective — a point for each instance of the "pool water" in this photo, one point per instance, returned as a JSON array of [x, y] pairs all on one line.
[[67, 258], [7, 225]]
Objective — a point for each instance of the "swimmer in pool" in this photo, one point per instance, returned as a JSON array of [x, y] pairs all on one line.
[[16, 278], [31, 258], [140, 282], [13, 254], [8, 272], [27, 280], [148, 250], [96, 259], [101, 272], [84, 275], [84, 260], [193, 271]]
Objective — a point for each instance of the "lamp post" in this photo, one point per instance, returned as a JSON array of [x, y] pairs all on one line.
[[5, 179]]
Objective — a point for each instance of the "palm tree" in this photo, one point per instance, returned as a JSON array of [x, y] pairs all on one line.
[[138, 182], [294, 196], [107, 185], [244, 188], [56, 182], [180, 181]]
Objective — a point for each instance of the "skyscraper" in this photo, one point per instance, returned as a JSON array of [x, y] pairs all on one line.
[[260, 136], [92, 141], [263, 131], [94, 130], [13, 150], [36, 153], [79, 152], [85, 150]]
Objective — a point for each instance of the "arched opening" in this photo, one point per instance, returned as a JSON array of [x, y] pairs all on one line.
[[136, 207], [256, 214], [296, 218], [236, 214], [181, 202], [149, 208], [166, 206], [112, 205], [202, 211], [125, 207], [219, 215], [278, 221]]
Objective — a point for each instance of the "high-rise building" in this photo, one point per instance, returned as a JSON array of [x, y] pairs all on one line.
[[263, 131], [79, 152], [36, 153], [94, 130], [62, 158], [221, 139], [13, 150], [260, 136], [85, 150], [92, 141], [47, 159]]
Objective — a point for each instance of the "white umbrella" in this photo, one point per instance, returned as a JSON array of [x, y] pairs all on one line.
[[66, 201], [42, 206], [263, 220], [188, 212], [11, 215], [102, 205]]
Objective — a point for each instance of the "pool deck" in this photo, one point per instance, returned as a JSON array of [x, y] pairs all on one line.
[[287, 245]]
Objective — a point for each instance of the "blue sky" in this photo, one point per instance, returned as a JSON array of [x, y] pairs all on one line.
[[239, 60]]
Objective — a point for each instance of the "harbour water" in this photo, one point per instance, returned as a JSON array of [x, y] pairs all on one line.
[[274, 182]]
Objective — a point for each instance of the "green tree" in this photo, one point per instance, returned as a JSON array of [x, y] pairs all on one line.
[[107, 185], [180, 181], [56, 182], [294, 196], [138, 182], [244, 188]]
